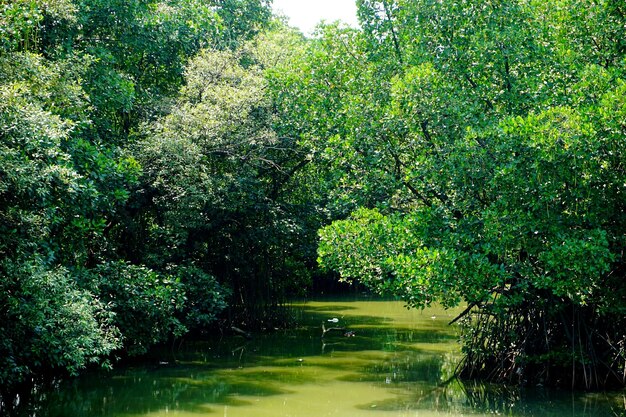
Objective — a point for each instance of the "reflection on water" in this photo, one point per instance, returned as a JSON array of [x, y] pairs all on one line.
[[395, 363]]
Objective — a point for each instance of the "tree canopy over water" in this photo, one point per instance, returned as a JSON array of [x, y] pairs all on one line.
[[168, 164]]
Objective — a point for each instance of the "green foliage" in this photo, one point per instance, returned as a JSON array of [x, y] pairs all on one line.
[[242, 19], [136, 294], [204, 296], [398, 258], [331, 99], [160, 158], [503, 186], [49, 324], [19, 22], [77, 78], [137, 50], [36, 175], [217, 173], [217, 128]]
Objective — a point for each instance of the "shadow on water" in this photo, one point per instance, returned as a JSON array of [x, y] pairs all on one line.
[[142, 393], [476, 398], [407, 359]]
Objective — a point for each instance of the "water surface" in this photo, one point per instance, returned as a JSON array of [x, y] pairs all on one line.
[[395, 363]]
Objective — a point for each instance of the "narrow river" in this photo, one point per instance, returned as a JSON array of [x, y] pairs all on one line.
[[388, 362]]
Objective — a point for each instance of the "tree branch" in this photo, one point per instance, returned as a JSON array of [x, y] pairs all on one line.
[[464, 313]]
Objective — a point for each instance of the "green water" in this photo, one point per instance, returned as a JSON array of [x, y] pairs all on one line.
[[397, 364]]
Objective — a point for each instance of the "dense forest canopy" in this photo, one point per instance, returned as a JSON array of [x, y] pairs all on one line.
[[168, 166], [494, 133]]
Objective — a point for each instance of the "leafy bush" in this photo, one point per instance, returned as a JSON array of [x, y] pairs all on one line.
[[48, 323], [145, 303]]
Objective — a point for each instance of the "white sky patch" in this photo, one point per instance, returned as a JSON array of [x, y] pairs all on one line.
[[306, 14]]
